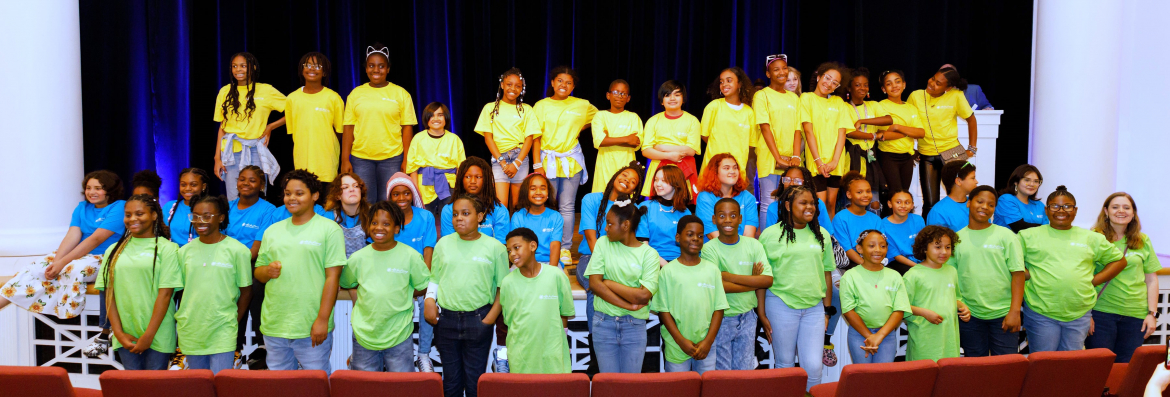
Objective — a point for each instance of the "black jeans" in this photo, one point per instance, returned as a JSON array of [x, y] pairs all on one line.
[[930, 177], [980, 338], [464, 343]]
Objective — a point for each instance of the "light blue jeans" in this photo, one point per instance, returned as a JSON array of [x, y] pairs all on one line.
[[887, 350], [692, 364], [426, 331], [375, 174], [286, 354], [736, 342], [768, 184], [215, 362], [398, 358], [566, 189], [1046, 334], [619, 342], [797, 331], [582, 265]]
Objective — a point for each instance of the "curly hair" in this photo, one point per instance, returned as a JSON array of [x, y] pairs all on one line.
[[320, 59], [333, 198], [391, 209], [110, 182], [746, 89], [308, 178], [930, 234], [709, 180], [147, 179]]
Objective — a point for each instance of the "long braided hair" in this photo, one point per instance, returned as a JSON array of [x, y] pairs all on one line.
[[635, 196], [232, 102], [500, 93], [786, 216], [204, 177], [160, 230]]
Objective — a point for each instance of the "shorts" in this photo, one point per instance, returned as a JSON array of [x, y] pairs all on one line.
[[522, 171], [821, 182]]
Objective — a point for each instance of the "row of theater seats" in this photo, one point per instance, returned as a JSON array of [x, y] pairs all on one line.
[[1067, 374]]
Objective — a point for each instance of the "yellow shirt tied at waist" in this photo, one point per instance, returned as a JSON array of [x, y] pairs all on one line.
[[266, 98], [938, 116], [509, 127], [313, 120], [377, 116], [728, 130], [442, 153], [610, 159], [561, 122], [781, 112], [663, 130], [827, 116]]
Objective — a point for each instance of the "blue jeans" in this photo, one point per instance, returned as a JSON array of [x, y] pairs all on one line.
[[232, 173], [215, 362], [886, 352], [150, 359], [285, 354], [1120, 334], [736, 342], [1046, 334], [582, 265], [426, 331], [566, 189], [620, 343], [464, 342], [980, 338], [692, 364], [375, 174], [797, 331], [768, 184], [398, 358]]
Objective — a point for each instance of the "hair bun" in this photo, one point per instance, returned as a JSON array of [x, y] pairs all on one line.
[[1061, 188]]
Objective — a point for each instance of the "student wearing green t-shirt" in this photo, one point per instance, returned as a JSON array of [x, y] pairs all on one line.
[[1126, 312], [623, 274], [934, 297], [874, 300], [744, 270], [387, 276], [463, 299], [990, 264], [1061, 264], [140, 275], [217, 284], [690, 301], [300, 264], [537, 303]]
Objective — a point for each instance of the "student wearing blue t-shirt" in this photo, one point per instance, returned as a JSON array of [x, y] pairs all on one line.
[[900, 229], [1019, 208], [177, 213], [849, 224], [418, 232], [474, 177], [536, 212], [959, 179], [663, 211], [795, 176], [725, 181], [346, 204], [249, 217], [624, 183]]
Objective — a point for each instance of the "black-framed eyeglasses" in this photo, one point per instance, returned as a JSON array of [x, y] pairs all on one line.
[[1058, 207]]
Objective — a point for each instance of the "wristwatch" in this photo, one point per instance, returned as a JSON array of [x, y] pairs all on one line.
[[501, 160], [1153, 313]]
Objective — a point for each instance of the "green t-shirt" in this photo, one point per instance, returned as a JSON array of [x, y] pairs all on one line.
[[798, 267], [1061, 263], [291, 301], [738, 259], [533, 308], [985, 260], [935, 290], [212, 277], [1126, 294], [468, 272], [873, 295], [691, 294], [137, 277], [383, 315], [631, 267]]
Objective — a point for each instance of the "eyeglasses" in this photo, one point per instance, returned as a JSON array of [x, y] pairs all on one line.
[[312, 66], [832, 83], [1058, 207], [787, 180], [619, 94], [773, 58], [201, 218]]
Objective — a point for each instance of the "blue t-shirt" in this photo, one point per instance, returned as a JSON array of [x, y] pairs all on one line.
[[950, 214], [822, 215], [420, 232], [549, 226], [89, 219], [847, 226], [749, 211], [900, 237], [660, 225], [248, 225], [589, 205], [496, 225], [280, 213], [1009, 210], [180, 224]]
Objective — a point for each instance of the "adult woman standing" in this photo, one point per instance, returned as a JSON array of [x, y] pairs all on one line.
[[1018, 207], [1126, 312], [562, 118], [379, 124], [895, 146], [242, 110], [938, 105]]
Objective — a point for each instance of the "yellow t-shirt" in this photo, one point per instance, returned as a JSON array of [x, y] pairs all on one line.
[[782, 114], [828, 116], [610, 159], [313, 120], [509, 127], [377, 116], [683, 131], [267, 99], [867, 109], [560, 125], [443, 152], [905, 115], [938, 116], [728, 130]]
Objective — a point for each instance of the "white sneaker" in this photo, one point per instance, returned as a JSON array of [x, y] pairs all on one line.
[[98, 347], [423, 363], [501, 356]]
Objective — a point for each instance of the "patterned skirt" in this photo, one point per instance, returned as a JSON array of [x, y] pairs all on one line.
[[63, 296]]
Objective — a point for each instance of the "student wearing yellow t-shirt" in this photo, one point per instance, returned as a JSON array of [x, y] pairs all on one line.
[[672, 137], [824, 122], [379, 124], [242, 114], [616, 135], [437, 156], [859, 148], [779, 141], [729, 123], [895, 143], [315, 114], [556, 152], [509, 126], [938, 105]]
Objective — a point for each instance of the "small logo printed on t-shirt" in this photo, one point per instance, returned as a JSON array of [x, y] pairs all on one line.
[[1076, 244], [250, 226], [943, 107], [550, 297], [680, 133], [573, 113], [546, 230], [310, 242], [396, 270], [746, 263], [98, 220], [321, 109], [388, 99], [416, 239], [949, 285], [636, 266], [481, 259], [813, 246], [891, 288], [993, 246], [221, 265], [705, 285]]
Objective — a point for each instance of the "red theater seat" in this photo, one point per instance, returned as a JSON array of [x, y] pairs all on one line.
[[780, 382], [1080, 373], [346, 383], [189, 383], [669, 384], [900, 379], [244, 383], [1129, 379], [40, 382], [533, 385], [981, 376]]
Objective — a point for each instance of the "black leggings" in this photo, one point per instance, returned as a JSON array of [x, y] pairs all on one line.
[[929, 176], [897, 169]]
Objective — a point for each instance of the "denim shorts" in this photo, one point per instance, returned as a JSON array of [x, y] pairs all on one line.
[[521, 172]]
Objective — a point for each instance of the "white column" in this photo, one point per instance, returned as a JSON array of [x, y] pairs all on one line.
[[1075, 105], [40, 121]]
